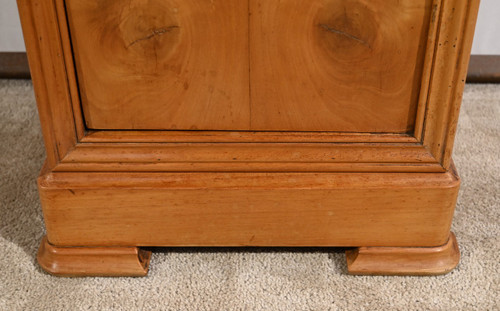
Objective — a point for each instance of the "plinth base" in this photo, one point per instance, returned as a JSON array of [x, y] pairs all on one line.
[[93, 261], [404, 260]]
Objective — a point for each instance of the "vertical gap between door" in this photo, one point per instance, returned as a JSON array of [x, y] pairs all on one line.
[[249, 69]]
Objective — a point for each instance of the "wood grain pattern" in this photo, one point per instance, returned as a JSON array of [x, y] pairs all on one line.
[[227, 187], [160, 64], [93, 261], [242, 137], [453, 45], [67, 51], [348, 65], [249, 157], [49, 74], [404, 260], [257, 209], [212, 151], [59, 126]]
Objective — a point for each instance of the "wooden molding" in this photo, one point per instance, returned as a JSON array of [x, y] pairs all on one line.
[[50, 75], [93, 261], [105, 193], [248, 209], [250, 157], [453, 42], [70, 148], [404, 260]]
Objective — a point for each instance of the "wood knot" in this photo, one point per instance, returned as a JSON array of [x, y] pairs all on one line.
[[154, 33]]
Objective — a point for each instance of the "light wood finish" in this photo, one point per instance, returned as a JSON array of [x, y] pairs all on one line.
[[404, 260], [324, 50], [249, 151], [453, 44], [338, 183], [67, 51], [49, 73], [350, 65], [239, 209], [247, 157], [67, 120], [183, 64], [482, 69], [242, 137], [93, 261]]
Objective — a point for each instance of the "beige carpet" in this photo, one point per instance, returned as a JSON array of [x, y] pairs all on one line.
[[251, 279]]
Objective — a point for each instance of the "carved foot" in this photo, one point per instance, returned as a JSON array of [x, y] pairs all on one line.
[[93, 261], [404, 260]]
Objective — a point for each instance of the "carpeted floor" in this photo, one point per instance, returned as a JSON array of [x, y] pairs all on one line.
[[251, 279]]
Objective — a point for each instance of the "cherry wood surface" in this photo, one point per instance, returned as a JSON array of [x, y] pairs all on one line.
[[323, 65], [248, 157], [404, 260], [93, 261], [273, 170], [49, 72], [162, 64], [348, 65], [62, 123], [248, 209]]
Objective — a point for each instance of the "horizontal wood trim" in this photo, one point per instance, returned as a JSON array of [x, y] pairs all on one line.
[[261, 157], [249, 152], [482, 68], [248, 209], [241, 137], [251, 181], [247, 167]]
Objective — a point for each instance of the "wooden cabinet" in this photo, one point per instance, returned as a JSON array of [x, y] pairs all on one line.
[[248, 123], [349, 66]]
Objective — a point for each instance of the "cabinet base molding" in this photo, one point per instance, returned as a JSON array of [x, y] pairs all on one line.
[[404, 260], [97, 222], [343, 141], [93, 261]]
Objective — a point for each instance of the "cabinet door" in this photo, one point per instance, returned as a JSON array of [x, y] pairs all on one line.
[[337, 65], [161, 64], [261, 65]]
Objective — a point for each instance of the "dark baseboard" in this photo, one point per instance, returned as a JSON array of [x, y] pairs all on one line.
[[14, 65], [482, 68]]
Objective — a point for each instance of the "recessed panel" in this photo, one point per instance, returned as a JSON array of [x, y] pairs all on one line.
[[337, 65], [162, 64], [261, 65]]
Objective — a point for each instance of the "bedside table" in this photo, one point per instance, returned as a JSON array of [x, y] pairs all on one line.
[[248, 123]]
